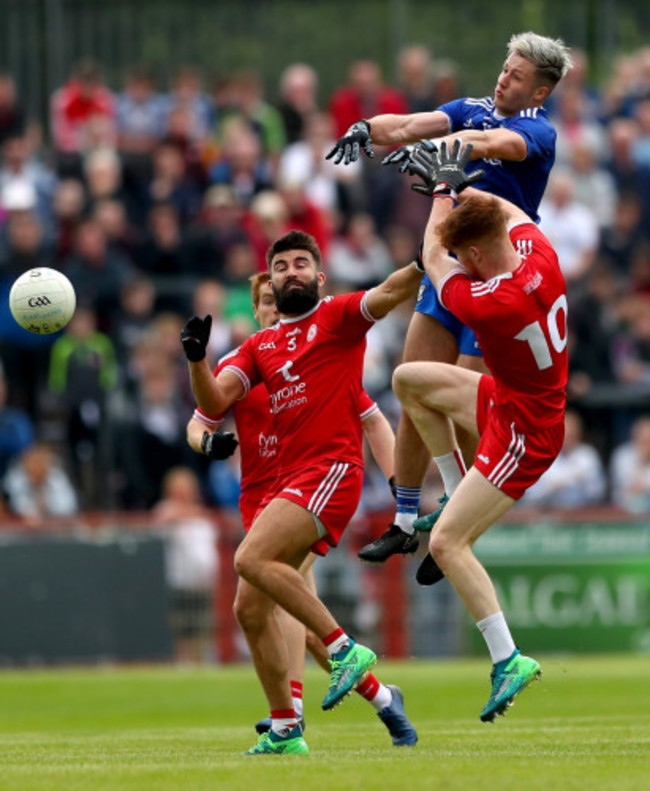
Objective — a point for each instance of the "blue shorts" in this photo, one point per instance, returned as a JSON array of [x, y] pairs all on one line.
[[429, 304]]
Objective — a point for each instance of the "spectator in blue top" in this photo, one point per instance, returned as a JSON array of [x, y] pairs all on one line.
[[141, 114]]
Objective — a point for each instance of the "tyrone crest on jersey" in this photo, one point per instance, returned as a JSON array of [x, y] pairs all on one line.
[[293, 394], [285, 371]]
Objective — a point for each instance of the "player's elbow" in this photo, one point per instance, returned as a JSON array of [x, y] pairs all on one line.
[[512, 148]]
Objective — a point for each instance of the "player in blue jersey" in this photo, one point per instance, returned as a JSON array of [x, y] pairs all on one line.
[[514, 144]]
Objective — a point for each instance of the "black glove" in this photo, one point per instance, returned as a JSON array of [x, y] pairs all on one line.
[[404, 155], [358, 135], [443, 174], [220, 445], [195, 336]]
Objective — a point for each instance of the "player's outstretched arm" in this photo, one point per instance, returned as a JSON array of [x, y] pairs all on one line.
[[492, 143], [213, 396], [387, 130], [436, 258], [443, 177], [398, 287]]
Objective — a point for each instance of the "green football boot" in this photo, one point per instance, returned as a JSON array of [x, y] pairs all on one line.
[[348, 667], [270, 743], [509, 678], [424, 524]]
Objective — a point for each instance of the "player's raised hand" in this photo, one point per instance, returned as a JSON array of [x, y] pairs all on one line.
[[219, 445], [403, 156], [195, 336], [451, 178], [347, 147], [424, 164]]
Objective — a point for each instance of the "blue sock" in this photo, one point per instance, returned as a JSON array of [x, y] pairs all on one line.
[[408, 505]]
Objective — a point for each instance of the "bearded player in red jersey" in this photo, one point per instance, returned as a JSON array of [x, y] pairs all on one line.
[[506, 285], [259, 453], [311, 363]]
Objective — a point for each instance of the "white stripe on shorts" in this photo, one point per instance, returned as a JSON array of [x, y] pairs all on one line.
[[510, 460], [327, 487]]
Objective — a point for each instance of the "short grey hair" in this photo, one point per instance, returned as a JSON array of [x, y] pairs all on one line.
[[549, 55]]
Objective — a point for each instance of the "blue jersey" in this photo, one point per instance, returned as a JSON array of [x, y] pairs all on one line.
[[522, 183]]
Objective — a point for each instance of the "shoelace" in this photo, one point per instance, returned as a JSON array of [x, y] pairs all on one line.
[[337, 671]]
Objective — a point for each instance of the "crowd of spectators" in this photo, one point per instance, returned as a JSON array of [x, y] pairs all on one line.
[[159, 201]]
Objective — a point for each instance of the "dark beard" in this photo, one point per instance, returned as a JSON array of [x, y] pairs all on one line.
[[295, 302]]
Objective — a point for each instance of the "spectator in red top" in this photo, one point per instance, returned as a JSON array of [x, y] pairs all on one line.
[[366, 93], [74, 107], [305, 215], [364, 96]]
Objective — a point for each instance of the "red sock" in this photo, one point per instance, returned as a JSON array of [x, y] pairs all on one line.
[[283, 714], [336, 641], [330, 638], [369, 687], [283, 721]]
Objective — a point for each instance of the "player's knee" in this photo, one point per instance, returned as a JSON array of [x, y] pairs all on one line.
[[435, 546], [244, 562], [248, 613], [440, 546], [404, 382], [446, 541]]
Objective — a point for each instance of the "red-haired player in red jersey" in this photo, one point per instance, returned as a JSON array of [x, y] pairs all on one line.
[[259, 454], [506, 285], [311, 363]]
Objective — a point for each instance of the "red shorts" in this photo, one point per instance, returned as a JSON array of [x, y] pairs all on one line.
[[250, 500], [510, 459], [330, 490]]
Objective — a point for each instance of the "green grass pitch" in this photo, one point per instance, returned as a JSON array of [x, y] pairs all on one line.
[[585, 726]]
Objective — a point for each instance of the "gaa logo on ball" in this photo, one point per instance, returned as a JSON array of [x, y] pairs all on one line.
[[42, 300]]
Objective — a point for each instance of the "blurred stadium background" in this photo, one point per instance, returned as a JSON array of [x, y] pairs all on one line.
[[150, 150]]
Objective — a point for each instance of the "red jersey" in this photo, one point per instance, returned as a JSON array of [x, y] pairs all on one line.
[[520, 320], [258, 441], [312, 366]]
